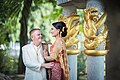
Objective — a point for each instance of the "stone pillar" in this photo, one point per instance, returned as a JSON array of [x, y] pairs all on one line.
[[72, 59], [95, 64], [70, 14], [68, 10]]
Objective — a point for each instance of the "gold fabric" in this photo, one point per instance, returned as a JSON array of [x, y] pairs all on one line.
[[59, 54]]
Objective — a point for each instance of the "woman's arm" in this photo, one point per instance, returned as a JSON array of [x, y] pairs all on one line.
[[56, 50], [45, 50], [47, 58]]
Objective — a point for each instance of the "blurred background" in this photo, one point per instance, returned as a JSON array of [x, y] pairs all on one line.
[[17, 18]]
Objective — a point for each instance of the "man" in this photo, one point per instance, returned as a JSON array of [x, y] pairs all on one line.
[[33, 57]]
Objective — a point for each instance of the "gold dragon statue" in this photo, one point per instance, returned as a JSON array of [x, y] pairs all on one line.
[[92, 22], [71, 40]]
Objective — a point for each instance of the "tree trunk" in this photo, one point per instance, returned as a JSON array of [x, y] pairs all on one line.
[[23, 32]]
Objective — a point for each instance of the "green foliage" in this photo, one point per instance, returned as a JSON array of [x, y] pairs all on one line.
[[81, 28], [42, 16], [7, 63], [9, 18], [42, 10], [81, 14], [39, 2], [9, 13], [4, 39], [81, 58], [81, 65], [81, 62]]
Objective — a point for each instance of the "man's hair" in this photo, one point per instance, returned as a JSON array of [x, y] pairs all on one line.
[[32, 30]]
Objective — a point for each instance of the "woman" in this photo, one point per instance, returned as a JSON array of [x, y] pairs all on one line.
[[58, 55]]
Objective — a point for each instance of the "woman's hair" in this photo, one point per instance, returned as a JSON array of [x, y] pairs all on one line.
[[62, 26]]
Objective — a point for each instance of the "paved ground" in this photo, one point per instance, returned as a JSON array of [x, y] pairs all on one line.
[[17, 77], [11, 77]]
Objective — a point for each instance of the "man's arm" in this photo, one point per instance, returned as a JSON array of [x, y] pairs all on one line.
[[28, 61], [47, 65], [35, 66]]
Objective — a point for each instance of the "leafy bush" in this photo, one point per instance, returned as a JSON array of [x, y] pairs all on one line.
[[7, 63]]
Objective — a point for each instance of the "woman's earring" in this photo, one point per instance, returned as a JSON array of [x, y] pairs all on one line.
[[60, 33]]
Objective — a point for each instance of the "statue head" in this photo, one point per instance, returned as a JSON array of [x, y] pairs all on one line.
[[92, 13]]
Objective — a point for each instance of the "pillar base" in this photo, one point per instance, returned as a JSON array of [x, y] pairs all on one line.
[[96, 52]]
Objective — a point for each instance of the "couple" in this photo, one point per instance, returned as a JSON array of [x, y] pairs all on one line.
[[35, 55]]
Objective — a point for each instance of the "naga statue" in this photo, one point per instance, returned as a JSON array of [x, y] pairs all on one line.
[[92, 22], [71, 40]]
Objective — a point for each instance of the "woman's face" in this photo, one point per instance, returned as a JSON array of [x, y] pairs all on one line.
[[54, 31]]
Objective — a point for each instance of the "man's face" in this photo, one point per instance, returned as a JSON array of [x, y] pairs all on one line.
[[36, 36]]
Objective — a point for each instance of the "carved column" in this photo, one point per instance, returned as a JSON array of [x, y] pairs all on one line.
[[95, 40], [72, 59], [71, 19], [69, 15]]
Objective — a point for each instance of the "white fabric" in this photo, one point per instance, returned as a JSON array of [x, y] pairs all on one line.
[[33, 62]]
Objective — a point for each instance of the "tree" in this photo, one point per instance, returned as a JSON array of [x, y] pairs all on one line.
[[23, 31], [9, 15]]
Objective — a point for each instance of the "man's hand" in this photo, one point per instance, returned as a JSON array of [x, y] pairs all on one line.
[[48, 65]]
